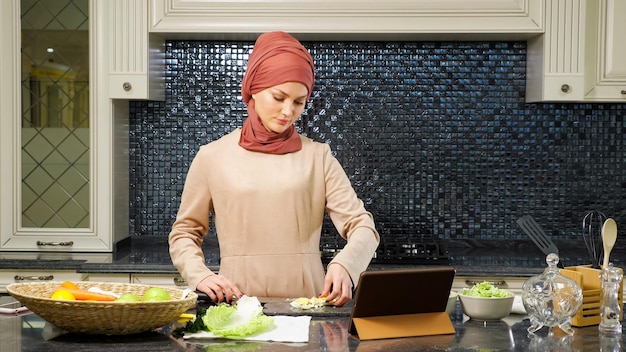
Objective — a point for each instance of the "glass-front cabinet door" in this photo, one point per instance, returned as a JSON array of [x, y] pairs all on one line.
[[56, 133], [54, 148]]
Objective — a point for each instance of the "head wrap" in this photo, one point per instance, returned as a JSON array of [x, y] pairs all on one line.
[[276, 58]]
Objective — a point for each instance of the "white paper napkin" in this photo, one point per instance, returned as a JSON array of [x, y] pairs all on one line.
[[286, 329]]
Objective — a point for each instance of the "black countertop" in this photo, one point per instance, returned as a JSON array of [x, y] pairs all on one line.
[[149, 255], [31, 333]]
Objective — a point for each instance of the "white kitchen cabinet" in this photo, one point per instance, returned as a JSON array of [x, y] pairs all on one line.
[[136, 59], [163, 280], [345, 19], [581, 56], [126, 63], [107, 136], [555, 62], [606, 76], [100, 258]]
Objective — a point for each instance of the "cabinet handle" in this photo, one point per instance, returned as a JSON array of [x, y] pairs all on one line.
[[179, 281], [57, 244], [33, 278], [497, 283], [623, 92], [127, 86], [565, 88]]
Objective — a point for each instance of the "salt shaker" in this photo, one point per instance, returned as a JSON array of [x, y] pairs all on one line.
[[611, 279]]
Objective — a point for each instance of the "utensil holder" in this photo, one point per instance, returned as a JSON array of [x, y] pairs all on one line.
[[588, 279]]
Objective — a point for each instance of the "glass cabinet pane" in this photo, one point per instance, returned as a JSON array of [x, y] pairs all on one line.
[[55, 114]]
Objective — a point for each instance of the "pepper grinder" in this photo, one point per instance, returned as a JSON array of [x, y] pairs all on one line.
[[611, 278]]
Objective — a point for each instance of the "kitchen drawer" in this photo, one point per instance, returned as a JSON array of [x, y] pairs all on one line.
[[164, 280], [13, 276], [123, 278]]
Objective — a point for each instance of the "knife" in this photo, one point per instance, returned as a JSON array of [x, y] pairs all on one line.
[[204, 298]]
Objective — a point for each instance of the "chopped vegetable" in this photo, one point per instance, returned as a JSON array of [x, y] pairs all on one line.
[[485, 289], [308, 303], [242, 320], [194, 325]]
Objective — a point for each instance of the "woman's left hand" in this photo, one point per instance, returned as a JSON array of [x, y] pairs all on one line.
[[337, 285]]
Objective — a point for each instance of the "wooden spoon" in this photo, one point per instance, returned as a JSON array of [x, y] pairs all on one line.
[[609, 235]]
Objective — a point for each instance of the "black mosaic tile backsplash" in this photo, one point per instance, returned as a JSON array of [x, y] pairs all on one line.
[[435, 136]]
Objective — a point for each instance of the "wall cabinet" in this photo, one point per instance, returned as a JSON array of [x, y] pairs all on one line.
[[606, 30], [581, 56], [345, 19], [107, 135], [136, 58]]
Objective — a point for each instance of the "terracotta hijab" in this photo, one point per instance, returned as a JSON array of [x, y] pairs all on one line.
[[276, 58]]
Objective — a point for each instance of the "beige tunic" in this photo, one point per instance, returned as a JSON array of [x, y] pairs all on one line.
[[268, 211]]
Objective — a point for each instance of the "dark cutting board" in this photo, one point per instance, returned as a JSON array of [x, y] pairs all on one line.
[[283, 308]]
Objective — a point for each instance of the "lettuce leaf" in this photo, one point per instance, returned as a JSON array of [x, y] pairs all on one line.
[[219, 316], [244, 319], [485, 289]]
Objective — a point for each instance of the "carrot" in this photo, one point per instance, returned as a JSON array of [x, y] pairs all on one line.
[[84, 295]]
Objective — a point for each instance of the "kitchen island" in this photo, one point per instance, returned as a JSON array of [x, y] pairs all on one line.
[[31, 333]]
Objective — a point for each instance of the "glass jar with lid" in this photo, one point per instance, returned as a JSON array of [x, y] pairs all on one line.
[[551, 299]]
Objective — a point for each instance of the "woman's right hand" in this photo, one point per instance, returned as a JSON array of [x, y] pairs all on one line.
[[219, 289]]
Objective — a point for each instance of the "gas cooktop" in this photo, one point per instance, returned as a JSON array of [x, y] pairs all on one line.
[[398, 250]]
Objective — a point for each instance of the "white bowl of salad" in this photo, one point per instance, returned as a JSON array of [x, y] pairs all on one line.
[[485, 301]]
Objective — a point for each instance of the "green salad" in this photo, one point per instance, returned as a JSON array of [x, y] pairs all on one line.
[[485, 289]]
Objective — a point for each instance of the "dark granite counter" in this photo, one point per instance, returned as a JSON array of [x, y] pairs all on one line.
[[149, 255], [31, 333]]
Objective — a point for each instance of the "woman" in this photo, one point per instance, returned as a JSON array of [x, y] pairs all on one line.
[[267, 188]]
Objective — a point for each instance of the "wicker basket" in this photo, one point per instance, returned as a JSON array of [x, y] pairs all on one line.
[[103, 318]]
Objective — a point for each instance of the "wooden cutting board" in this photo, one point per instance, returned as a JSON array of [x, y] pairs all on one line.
[[284, 308]]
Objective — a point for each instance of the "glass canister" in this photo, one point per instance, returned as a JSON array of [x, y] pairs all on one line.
[[551, 299]]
